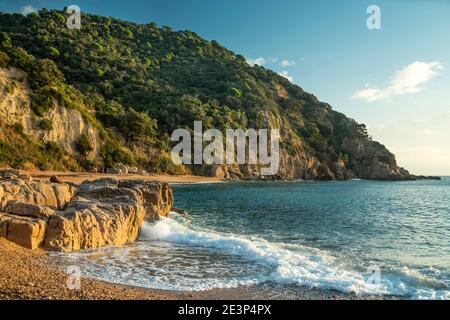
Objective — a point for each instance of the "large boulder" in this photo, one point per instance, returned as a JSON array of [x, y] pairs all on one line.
[[66, 218], [90, 224], [28, 209], [39, 193], [24, 231]]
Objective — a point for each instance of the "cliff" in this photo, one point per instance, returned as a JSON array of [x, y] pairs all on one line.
[[64, 126], [115, 91]]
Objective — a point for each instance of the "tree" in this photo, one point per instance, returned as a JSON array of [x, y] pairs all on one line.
[[22, 59], [53, 52], [4, 59], [137, 126], [45, 73], [5, 40], [83, 145]]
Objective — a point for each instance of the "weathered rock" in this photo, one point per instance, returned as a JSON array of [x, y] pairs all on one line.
[[26, 177], [324, 173], [375, 162], [40, 193], [107, 212], [28, 209], [91, 215], [87, 224], [55, 179], [142, 172], [219, 172], [133, 170], [24, 231], [63, 194]]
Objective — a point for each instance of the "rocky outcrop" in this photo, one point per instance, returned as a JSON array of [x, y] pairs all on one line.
[[373, 161], [67, 125], [24, 231], [65, 218]]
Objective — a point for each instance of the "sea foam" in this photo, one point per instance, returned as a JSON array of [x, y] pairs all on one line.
[[284, 264], [291, 264]]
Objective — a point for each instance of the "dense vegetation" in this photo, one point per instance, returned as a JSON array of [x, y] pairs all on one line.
[[137, 83]]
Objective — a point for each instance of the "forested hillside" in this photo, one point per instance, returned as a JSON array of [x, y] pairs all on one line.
[[136, 83]]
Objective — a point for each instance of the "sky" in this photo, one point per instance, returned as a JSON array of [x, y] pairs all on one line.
[[395, 79]]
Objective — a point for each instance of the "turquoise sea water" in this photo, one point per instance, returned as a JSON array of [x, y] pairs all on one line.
[[367, 237]]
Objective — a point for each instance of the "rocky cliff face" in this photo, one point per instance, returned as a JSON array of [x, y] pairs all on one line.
[[362, 158], [67, 218], [67, 126]]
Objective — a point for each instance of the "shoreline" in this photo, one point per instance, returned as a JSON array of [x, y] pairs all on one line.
[[79, 177], [27, 274], [35, 275]]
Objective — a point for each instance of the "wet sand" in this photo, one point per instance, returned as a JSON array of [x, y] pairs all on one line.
[[34, 275]]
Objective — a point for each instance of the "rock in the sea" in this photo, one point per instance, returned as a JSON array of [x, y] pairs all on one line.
[[66, 218]]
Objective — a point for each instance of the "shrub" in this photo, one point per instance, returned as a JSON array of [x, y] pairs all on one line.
[[45, 125], [45, 73], [136, 126], [164, 164], [4, 59], [83, 145], [18, 128], [52, 149], [344, 158], [53, 52], [9, 87], [7, 154], [41, 102], [112, 153], [5, 40], [22, 59]]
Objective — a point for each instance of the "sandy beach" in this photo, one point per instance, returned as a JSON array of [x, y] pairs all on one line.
[[34, 275], [78, 177]]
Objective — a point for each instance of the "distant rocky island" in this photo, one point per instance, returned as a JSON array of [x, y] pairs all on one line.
[[108, 96]]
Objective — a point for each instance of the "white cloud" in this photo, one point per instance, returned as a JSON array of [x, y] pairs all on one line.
[[288, 63], [274, 60], [286, 75], [410, 79], [26, 10], [258, 61]]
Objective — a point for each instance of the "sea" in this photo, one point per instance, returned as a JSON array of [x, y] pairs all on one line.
[[365, 238]]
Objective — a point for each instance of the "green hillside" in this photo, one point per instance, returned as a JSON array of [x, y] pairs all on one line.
[[137, 83]]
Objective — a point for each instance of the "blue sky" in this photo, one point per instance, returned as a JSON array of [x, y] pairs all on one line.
[[396, 79]]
